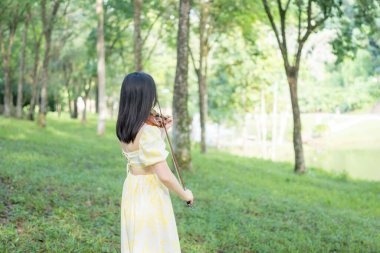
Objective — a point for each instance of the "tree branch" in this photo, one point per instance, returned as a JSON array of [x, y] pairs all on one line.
[[43, 14], [155, 44], [282, 13], [118, 36], [299, 21], [287, 6], [150, 29], [193, 61], [279, 5], [309, 30], [271, 20], [308, 14]]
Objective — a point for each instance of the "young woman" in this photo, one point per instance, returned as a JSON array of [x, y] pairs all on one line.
[[147, 218]]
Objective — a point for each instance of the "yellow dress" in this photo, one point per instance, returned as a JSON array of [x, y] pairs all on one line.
[[147, 218]]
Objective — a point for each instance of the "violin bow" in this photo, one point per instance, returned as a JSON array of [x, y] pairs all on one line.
[[179, 173]]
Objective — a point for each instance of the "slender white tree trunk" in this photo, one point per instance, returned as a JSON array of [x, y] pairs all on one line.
[[22, 70], [219, 126], [264, 129], [245, 133], [258, 126], [283, 123], [274, 121], [101, 69]]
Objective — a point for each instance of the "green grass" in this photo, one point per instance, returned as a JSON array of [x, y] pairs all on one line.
[[60, 191]]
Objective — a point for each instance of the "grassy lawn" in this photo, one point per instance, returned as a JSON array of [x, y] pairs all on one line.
[[60, 191]]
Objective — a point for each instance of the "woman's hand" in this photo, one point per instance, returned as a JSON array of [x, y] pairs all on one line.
[[188, 196], [168, 122]]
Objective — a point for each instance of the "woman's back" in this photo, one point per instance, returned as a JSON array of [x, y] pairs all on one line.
[[132, 146], [147, 149]]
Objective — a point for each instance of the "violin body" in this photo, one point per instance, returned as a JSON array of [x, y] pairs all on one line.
[[156, 119]]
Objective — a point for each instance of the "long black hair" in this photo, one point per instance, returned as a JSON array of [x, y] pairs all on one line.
[[138, 95]]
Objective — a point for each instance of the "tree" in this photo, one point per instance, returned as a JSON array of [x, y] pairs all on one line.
[[10, 15], [101, 69], [304, 28], [140, 41], [37, 39], [22, 68], [86, 90], [137, 34], [216, 17], [48, 20], [201, 70], [181, 119]]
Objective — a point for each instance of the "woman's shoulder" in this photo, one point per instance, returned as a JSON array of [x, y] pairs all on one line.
[[152, 146], [150, 132]]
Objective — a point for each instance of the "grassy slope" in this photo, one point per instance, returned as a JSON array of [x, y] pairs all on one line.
[[60, 190]]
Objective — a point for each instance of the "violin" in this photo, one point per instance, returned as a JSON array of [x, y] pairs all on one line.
[[155, 119], [159, 120]]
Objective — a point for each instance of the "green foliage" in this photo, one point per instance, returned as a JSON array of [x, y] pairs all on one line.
[[233, 84], [243, 58], [356, 28], [61, 188]]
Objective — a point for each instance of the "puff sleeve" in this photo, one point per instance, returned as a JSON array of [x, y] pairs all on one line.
[[152, 148]]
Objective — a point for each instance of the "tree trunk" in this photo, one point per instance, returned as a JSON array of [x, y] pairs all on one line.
[[113, 104], [101, 69], [202, 86], [22, 69], [97, 98], [137, 34], [283, 121], [218, 135], [85, 99], [76, 88], [58, 106], [44, 98], [84, 120], [264, 129], [292, 76], [257, 121], [47, 24], [33, 100], [203, 111], [181, 119], [74, 114], [274, 121], [68, 97], [6, 55], [59, 109], [244, 133]]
